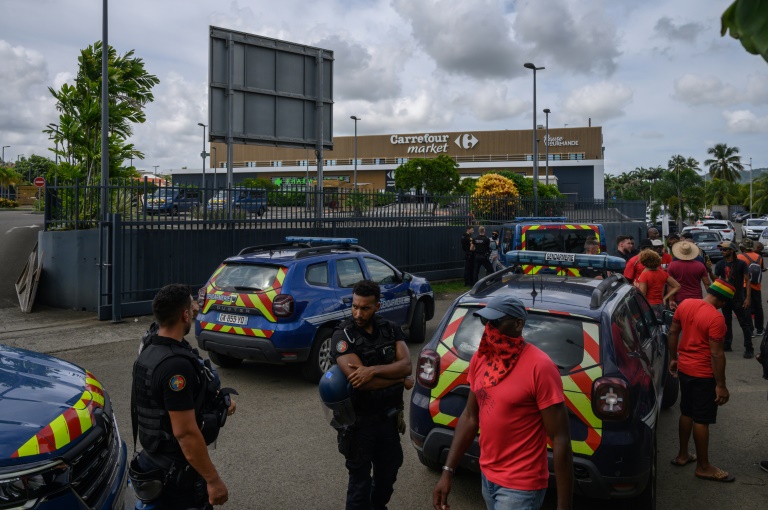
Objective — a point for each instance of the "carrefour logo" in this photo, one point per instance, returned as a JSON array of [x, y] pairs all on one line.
[[428, 143]]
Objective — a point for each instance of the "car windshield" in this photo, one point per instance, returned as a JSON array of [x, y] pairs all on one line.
[[561, 337], [757, 223], [233, 277], [564, 241], [706, 237], [163, 193]]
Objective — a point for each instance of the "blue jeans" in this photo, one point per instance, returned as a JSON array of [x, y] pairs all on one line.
[[500, 498]]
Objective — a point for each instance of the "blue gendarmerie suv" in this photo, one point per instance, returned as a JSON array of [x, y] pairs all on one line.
[[59, 443]]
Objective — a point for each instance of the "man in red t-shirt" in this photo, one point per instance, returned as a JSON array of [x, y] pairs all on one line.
[[634, 267], [698, 360], [516, 398]]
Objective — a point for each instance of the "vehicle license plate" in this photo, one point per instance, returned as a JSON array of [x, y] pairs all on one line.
[[560, 257], [240, 320]]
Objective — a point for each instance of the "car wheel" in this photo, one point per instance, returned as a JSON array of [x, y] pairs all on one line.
[[647, 499], [223, 360], [430, 463], [320, 359], [418, 327]]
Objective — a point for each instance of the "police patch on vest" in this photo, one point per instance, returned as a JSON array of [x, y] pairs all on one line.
[[341, 346], [177, 383]]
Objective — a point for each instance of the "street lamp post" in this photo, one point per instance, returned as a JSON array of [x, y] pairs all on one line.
[[29, 168], [203, 154], [3, 157], [214, 167], [355, 119], [547, 111], [529, 65], [750, 185]]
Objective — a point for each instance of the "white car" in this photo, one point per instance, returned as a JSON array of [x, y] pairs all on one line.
[[725, 227], [753, 227], [694, 228]]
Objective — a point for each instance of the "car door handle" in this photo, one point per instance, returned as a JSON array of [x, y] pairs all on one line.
[[346, 300]]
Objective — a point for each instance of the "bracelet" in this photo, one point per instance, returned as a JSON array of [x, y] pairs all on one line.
[[449, 469]]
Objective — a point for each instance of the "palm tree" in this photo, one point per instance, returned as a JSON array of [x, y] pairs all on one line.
[[681, 187], [720, 191], [9, 177], [726, 163], [760, 188]]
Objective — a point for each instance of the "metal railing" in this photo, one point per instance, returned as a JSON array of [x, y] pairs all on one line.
[[142, 204]]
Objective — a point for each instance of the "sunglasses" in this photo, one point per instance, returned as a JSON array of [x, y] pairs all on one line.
[[495, 322], [725, 249]]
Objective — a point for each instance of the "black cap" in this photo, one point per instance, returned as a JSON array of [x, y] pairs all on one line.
[[673, 236], [646, 243]]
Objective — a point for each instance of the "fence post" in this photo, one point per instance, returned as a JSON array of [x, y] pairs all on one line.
[[77, 203], [116, 268]]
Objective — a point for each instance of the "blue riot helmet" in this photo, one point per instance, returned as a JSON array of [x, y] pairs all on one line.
[[336, 396]]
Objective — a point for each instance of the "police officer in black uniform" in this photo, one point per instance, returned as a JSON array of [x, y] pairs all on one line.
[[482, 254], [372, 354], [178, 409], [469, 254]]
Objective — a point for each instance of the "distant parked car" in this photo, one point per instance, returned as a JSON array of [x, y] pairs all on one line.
[[170, 200], [725, 227], [708, 241], [694, 228], [753, 227]]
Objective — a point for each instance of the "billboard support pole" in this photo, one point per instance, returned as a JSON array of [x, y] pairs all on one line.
[[319, 144], [230, 119]]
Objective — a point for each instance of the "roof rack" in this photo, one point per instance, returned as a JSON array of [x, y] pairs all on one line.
[[493, 279], [316, 250], [605, 289], [271, 247], [540, 219]]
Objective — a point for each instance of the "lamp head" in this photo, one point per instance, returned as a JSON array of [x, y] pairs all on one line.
[[353, 117], [547, 111], [201, 124]]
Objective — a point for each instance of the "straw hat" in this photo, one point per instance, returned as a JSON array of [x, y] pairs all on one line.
[[685, 250]]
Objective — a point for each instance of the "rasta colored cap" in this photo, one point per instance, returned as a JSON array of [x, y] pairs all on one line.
[[722, 289]]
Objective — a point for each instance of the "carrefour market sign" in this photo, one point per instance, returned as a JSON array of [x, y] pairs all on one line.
[[428, 143]]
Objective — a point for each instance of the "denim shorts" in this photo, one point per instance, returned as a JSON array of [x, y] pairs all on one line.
[[500, 498]]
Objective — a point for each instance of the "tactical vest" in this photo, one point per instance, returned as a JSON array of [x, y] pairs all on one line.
[[153, 422], [377, 351]]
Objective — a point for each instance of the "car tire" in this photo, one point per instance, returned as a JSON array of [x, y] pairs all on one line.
[[320, 359], [646, 500], [223, 360], [671, 391], [431, 464], [418, 328]]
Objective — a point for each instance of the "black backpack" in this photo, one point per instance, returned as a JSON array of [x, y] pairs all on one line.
[[754, 270]]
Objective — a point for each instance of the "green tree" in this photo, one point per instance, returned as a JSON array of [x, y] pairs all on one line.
[[760, 188], [78, 137], [747, 21], [725, 163], [34, 166], [722, 192], [259, 184], [9, 177], [437, 176], [680, 188]]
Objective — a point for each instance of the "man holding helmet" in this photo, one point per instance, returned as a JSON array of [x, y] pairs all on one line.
[[371, 353]]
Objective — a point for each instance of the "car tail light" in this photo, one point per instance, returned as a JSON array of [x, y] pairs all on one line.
[[726, 231], [610, 398], [428, 369], [201, 297], [282, 305]]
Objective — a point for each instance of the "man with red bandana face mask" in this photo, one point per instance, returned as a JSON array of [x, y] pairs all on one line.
[[516, 398]]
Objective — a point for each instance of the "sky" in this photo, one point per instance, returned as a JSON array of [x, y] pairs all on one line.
[[656, 75]]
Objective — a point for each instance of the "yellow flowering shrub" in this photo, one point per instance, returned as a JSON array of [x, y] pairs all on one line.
[[494, 194]]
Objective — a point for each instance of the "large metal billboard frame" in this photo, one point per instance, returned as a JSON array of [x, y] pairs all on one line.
[[273, 88]]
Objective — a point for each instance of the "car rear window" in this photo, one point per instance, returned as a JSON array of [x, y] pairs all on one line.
[[564, 241], [703, 237], [718, 226], [254, 277], [560, 336]]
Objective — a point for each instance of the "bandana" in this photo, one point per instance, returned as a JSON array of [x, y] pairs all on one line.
[[501, 353]]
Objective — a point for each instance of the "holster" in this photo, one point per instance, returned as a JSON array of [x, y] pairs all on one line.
[[348, 446]]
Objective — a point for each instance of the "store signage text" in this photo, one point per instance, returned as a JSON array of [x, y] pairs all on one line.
[[428, 143], [558, 141]]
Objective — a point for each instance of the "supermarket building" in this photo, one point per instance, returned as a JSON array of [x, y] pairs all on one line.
[[575, 162]]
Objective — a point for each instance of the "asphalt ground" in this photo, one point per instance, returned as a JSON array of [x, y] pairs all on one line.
[[278, 452]]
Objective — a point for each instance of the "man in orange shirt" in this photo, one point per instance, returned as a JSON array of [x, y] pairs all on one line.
[[698, 360], [749, 256]]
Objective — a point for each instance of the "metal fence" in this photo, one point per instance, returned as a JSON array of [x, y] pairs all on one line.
[[75, 206]]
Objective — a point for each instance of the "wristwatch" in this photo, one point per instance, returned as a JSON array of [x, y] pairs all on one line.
[[449, 469]]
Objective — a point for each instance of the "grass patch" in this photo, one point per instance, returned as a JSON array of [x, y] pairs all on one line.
[[449, 287]]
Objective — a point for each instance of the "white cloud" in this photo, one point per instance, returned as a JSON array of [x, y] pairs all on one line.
[[744, 121], [601, 101], [757, 89], [490, 102], [700, 90]]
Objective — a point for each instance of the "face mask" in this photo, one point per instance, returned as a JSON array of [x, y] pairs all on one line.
[[495, 236]]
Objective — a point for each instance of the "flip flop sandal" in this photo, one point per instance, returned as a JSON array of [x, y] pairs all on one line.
[[691, 459], [719, 476]]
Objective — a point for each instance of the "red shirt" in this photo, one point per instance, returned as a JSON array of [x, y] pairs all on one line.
[[701, 323], [688, 274], [633, 268], [666, 260], [513, 441], [655, 280]]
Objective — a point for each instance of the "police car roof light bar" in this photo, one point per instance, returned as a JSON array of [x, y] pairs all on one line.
[[566, 260], [541, 219], [321, 240], [317, 250]]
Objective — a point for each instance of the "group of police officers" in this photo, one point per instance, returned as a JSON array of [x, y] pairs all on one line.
[[178, 406]]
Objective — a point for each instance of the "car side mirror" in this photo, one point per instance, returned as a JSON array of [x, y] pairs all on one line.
[[407, 277], [667, 316]]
